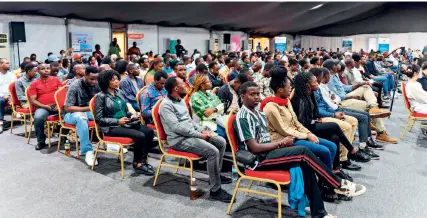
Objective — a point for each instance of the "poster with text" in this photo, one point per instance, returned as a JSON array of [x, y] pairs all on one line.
[[135, 37], [235, 43], [280, 44], [82, 43], [347, 44], [383, 45]]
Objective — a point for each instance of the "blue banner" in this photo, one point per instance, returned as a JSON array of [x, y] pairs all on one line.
[[281, 47], [383, 48]]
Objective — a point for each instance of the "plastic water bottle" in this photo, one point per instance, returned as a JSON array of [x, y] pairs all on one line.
[[234, 175], [67, 148], [193, 189]]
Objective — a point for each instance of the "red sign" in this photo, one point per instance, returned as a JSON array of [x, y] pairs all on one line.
[[136, 36]]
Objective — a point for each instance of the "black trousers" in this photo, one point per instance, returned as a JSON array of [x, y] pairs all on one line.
[[141, 135], [286, 158], [378, 87]]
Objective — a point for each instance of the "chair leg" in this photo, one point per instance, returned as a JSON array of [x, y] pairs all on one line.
[[29, 132], [91, 135], [158, 169], [177, 167], [59, 140], [279, 200], [25, 125], [412, 126], [404, 129], [191, 169], [96, 155], [49, 133], [11, 122], [122, 161], [234, 195], [250, 186], [77, 146]]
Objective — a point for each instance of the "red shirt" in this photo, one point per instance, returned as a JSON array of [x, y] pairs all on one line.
[[45, 90]]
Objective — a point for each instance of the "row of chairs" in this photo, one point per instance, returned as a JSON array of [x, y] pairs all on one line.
[[277, 178]]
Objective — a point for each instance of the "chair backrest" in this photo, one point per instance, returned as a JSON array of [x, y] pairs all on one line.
[[138, 101], [65, 82], [31, 106], [405, 98], [187, 102], [92, 110], [161, 134], [227, 78], [15, 101], [232, 139], [60, 96], [214, 90]]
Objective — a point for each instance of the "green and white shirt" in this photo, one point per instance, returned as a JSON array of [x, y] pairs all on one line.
[[251, 126]]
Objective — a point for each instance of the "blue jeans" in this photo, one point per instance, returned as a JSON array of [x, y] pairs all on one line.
[[384, 80], [80, 120], [325, 150], [390, 81], [2, 107], [363, 122], [40, 117]]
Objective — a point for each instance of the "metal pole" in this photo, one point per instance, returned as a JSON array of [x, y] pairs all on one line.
[[19, 57]]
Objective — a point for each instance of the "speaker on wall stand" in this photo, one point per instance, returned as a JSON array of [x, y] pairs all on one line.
[[17, 30], [226, 40]]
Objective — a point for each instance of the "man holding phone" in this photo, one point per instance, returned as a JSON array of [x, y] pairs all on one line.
[[41, 94]]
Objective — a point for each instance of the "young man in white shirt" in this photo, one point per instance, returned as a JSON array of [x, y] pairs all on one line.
[[6, 77]]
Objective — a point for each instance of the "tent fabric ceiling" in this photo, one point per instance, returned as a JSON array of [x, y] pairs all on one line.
[[256, 18]]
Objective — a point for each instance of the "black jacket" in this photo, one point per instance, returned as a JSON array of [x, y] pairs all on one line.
[[226, 97], [423, 81], [104, 111]]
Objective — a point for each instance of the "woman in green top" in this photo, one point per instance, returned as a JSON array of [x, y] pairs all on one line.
[[207, 106], [114, 119]]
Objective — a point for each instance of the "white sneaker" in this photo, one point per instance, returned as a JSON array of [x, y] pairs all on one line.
[[155, 138], [350, 189], [89, 158], [116, 148], [330, 216]]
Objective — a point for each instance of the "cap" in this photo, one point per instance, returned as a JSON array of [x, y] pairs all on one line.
[[330, 63], [76, 56]]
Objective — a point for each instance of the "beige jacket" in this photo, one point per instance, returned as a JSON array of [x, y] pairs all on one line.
[[282, 122]]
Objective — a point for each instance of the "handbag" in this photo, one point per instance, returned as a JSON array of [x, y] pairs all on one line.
[[246, 158], [133, 125]]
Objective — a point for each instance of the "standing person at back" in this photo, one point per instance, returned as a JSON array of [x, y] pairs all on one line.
[[180, 50], [6, 77], [42, 92]]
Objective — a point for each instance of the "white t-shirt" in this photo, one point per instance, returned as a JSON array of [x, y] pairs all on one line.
[[5, 80]]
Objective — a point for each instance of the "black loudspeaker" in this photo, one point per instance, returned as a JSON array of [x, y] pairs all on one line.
[[17, 29], [227, 38]]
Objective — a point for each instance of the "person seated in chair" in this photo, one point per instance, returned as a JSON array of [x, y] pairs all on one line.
[[41, 94], [253, 136], [206, 105], [149, 97], [77, 109], [415, 93], [131, 85], [24, 82], [228, 93], [114, 120], [183, 134]]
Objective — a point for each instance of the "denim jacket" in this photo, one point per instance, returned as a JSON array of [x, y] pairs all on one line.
[[128, 90], [324, 109], [337, 87]]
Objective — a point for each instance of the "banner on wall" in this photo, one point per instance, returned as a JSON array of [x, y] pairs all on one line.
[[235, 43], [172, 44], [135, 37], [347, 44], [383, 45], [82, 43], [280, 44]]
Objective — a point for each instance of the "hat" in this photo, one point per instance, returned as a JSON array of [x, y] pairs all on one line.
[[52, 58], [330, 63], [76, 56]]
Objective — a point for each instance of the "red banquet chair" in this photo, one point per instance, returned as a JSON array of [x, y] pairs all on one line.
[[413, 116], [187, 102], [138, 97], [18, 110], [277, 177], [60, 96], [121, 141], [169, 151]]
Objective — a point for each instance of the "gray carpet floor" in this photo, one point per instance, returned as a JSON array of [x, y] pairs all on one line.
[[48, 184]]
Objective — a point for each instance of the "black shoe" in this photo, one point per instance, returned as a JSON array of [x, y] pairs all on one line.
[[344, 175], [359, 156], [384, 106], [226, 180], [40, 146], [145, 169], [370, 153], [372, 144], [221, 195], [348, 165], [344, 198]]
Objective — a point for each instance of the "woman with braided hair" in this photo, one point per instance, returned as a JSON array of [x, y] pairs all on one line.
[[207, 106]]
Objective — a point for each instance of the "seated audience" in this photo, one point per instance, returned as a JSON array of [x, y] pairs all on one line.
[[372, 73], [264, 82], [121, 67], [114, 119], [24, 82], [228, 93], [200, 69], [156, 66], [423, 76], [6, 77], [183, 134], [131, 85], [252, 132], [415, 93], [78, 112], [149, 97], [79, 71], [41, 94], [213, 75], [236, 70]]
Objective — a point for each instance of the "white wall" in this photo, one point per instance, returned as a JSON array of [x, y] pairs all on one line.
[[43, 35], [100, 31], [151, 40], [191, 38]]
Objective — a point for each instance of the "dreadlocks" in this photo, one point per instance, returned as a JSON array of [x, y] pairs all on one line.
[[304, 102], [199, 79]]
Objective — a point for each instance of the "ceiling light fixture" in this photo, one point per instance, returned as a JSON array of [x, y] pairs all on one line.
[[316, 7]]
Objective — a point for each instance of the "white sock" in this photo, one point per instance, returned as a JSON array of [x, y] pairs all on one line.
[[362, 145]]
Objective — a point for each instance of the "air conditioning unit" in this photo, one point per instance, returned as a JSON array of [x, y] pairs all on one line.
[[4, 46], [214, 45]]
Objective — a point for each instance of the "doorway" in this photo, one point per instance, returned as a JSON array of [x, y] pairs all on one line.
[[119, 32]]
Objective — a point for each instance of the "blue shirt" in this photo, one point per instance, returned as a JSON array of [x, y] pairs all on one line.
[[337, 87], [233, 75], [324, 109], [128, 89], [149, 98], [167, 70]]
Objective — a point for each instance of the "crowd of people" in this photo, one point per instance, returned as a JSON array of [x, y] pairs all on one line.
[[297, 108]]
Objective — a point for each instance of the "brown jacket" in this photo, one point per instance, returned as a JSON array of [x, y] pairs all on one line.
[[283, 122]]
